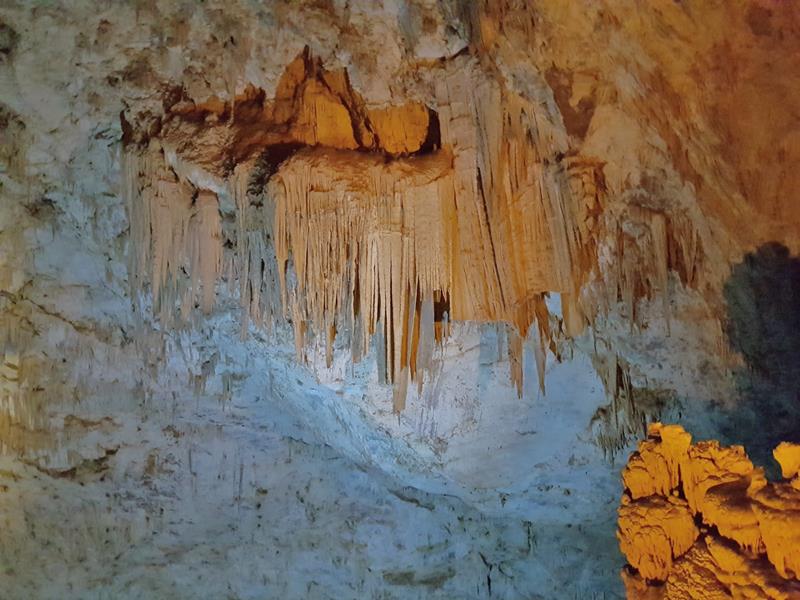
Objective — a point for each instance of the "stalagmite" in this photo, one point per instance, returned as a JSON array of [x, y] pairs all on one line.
[[655, 467], [748, 543], [777, 508], [707, 465], [653, 532], [788, 456], [727, 507], [716, 569]]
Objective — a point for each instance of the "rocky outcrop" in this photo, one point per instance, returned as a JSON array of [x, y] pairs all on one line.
[[700, 521]]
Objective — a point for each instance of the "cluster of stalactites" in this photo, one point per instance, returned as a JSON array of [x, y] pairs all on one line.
[[369, 251], [355, 247], [700, 520], [175, 230], [346, 242], [478, 231], [647, 245]]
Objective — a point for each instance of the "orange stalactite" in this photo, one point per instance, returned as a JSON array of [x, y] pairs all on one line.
[[362, 221]]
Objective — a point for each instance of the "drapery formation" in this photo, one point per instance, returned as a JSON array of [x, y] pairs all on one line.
[[388, 224]]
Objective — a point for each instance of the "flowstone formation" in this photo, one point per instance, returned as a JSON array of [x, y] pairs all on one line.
[[700, 521]]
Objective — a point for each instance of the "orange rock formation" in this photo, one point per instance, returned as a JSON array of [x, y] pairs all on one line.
[[700, 521], [395, 220], [570, 180]]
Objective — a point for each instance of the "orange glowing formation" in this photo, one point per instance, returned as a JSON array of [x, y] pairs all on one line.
[[700, 521]]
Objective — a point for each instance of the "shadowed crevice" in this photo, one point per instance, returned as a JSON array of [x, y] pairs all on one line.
[[762, 298]]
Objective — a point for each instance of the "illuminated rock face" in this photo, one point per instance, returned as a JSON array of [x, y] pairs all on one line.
[[552, 176], [749, 537], [483, 218]]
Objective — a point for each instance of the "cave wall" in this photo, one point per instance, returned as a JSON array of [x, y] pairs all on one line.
[[649, 123]]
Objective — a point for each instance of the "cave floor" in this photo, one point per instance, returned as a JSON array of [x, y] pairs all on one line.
[[260, 512]]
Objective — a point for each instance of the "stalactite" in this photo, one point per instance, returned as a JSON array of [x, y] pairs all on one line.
[[206, 248], [621, 419], [515, 345], [382, 247], [175, 230], [255, 264], [138, 168]]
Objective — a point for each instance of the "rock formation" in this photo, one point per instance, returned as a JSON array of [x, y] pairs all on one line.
[[700, 521], [478, 220]]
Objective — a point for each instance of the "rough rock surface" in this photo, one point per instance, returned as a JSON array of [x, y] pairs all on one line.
[[631, 244], [748, 544]]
